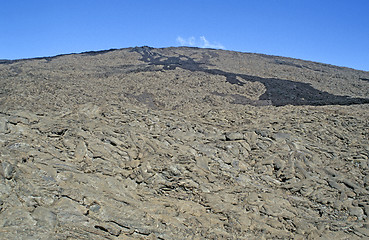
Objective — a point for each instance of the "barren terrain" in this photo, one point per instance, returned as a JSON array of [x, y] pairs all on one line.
[[182, 143]]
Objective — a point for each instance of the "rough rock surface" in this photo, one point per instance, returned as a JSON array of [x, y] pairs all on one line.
[[182, 143]]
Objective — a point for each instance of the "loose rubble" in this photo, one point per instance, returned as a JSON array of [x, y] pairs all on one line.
[[91, 153]]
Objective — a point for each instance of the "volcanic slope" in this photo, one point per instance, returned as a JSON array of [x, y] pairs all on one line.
[[182, 143]]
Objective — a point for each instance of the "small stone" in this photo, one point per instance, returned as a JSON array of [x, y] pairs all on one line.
[[263, 133], [70, 211], [81, 151], [233, 149], [17, 119], [245, 145], [3, 125], [174, 170], [233, 136], [356, 211], [44, 216], [253, 197], [7, 170], [95, 207], [278, 164], [280, 136], [202, 162], [113, 230], [132, 164], [242, 166], [366, 210], [235, 164], [366, 181]]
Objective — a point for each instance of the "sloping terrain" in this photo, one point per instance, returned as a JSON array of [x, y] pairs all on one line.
[[182, 143]]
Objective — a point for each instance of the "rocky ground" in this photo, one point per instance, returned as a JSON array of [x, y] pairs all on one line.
[[182, 143]]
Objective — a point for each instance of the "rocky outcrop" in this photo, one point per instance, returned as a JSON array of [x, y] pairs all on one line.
[[134, 144]]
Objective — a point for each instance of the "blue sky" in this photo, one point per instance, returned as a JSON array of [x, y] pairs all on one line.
[[329, 31]]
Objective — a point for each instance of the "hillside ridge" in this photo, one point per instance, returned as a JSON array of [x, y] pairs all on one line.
[[182, 143], [96, 52]]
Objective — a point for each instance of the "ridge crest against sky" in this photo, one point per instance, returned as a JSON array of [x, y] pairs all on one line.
[[330, 31]]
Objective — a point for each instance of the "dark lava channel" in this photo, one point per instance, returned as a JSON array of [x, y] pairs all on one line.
[[279, 92]]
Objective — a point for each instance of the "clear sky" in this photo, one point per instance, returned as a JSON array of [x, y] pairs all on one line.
[[329, 31]]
